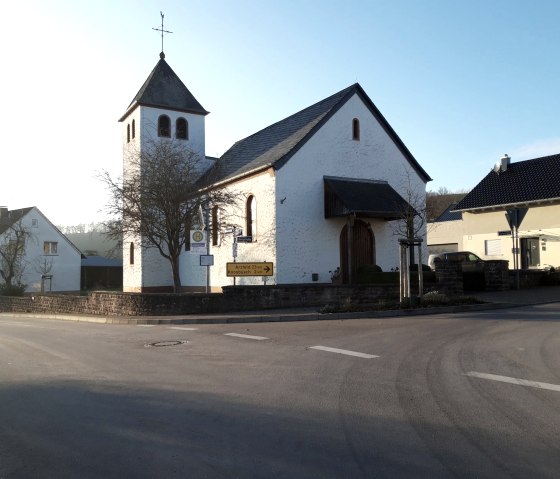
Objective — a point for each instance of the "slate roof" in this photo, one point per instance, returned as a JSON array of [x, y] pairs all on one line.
[[366, 198], [164, 89], [449, 214], [274, 145], [12, 217], [523, 182]]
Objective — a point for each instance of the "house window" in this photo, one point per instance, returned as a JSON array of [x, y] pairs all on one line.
[[128, 133], [133, 129], [251, 216], [356, 129], [131, 254], [34, 223], [215, 226], [182, 129], [493, 247], [164, 126], [50, 248]]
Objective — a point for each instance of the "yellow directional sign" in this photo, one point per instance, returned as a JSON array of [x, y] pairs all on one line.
[[249, 269]]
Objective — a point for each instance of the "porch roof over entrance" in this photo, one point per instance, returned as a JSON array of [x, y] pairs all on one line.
[[365, 198]]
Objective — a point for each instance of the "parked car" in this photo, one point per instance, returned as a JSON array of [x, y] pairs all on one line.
[[471, 263]]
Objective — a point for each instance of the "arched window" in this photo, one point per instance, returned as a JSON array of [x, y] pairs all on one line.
[[251, 216], [182, 129], [164, 126], [215, 225], [133, 129], [128, 133], [131, 253], [355, 129]]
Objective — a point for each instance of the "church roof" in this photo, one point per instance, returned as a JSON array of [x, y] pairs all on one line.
[[523, 182], [366, 198], [164, 89], [274, 145]]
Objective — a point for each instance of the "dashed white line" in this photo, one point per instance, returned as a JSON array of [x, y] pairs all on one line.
[[145, 325], [183, 329], [246, 336], [517, 381], [344, 351]]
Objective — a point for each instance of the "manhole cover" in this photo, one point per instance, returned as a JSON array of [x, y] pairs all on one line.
[[162, 344]]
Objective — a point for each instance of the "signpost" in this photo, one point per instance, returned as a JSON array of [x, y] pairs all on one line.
[[250, 269]]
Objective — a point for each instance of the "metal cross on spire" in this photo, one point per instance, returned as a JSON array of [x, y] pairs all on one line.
[[162, 55]]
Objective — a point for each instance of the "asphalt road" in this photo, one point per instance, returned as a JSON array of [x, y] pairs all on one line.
[[469, 395]]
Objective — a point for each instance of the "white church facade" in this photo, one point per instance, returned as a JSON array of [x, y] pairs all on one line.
[[318, 192]]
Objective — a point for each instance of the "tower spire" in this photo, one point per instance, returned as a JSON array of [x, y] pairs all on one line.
[[161, 55]]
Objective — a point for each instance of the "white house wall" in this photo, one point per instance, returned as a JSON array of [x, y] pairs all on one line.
[[307, 242], [541, 222], [262, 187]]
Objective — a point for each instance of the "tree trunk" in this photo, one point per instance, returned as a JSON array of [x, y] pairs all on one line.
[[176, 274]]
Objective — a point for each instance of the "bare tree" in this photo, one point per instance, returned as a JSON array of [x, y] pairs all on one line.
[[159, 196], [12, 252], [438, 201]]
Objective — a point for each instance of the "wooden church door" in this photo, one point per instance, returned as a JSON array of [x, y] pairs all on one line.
[[357, 248]]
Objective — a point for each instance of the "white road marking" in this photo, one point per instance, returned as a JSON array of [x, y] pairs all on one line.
[[246, 336], [145, 325], [519, 382], [183, 329], [344, 351]]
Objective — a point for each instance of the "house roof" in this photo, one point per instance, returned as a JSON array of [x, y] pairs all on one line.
[[164, 89], [16, 215], [101, 262], [523, 182], [366, 198], [12, 217], [274, 145], [449, 214]]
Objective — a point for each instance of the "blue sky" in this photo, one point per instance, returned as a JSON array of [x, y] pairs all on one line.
[[461, 83]]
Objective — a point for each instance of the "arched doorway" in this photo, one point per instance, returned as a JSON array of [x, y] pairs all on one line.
[[361, 250]]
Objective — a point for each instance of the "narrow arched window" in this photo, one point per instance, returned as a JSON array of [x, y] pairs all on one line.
[[131, 253], [251, 216], [164, 126], [215, 226], [181, 129], [128, 133], [355, 129], [133, 129]]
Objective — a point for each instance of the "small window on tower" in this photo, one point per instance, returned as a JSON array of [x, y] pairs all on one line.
[[133, 129], [356, 129], [128, 133], [215, 226], [182, 129], [131, 254], [164, 126]]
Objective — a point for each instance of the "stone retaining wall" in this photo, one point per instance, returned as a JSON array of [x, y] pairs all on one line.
[[233, 298]]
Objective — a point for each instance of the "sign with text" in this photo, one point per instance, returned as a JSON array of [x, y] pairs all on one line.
[[249, 269]]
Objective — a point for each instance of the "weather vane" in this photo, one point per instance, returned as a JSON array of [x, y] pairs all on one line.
[[162, 32]]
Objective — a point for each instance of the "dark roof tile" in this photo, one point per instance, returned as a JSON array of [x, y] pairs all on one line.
[[523, 182]]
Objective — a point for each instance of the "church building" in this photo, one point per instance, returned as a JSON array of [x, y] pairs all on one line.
[[320, 193]]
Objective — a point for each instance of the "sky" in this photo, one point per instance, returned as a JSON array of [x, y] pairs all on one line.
[[461, 83]]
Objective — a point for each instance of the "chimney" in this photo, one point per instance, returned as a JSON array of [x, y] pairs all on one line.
[[504, 162]]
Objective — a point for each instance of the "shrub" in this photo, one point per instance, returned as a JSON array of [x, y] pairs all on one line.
[[12, 290]]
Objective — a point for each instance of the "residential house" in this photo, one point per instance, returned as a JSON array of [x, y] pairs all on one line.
[[50, 261], [531, 187]]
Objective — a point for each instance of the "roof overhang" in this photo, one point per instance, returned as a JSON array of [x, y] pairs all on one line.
[[364, 198]]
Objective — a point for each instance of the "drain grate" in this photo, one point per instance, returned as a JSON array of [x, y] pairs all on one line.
[[168, 342]]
